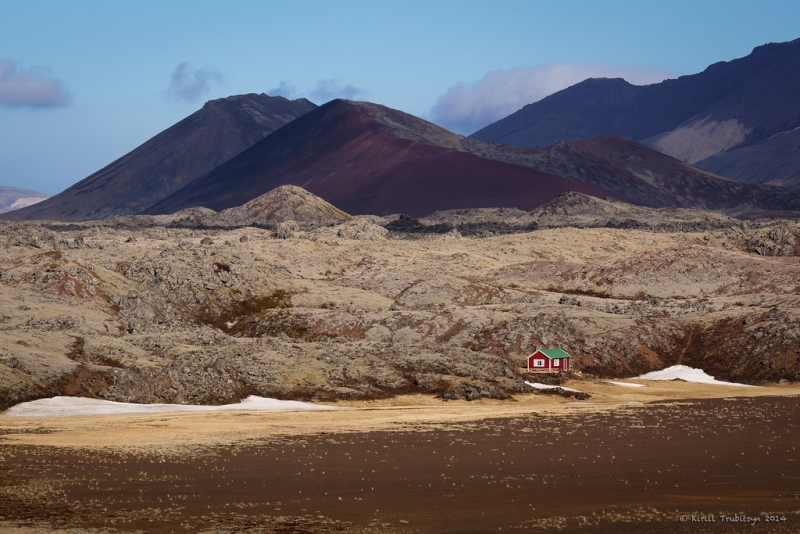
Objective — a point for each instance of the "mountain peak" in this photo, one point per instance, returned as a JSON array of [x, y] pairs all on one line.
[[733, 103], [367, 158], [218, 131]]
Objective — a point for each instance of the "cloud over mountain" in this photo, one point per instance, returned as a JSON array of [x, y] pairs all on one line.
[[33, 88], [325, 91], [188, 83], [284, 89], [465, 107]]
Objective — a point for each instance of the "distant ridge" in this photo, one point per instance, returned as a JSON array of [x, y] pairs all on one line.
[[774, 161], [14, 198], [691, 118], [219, 131]]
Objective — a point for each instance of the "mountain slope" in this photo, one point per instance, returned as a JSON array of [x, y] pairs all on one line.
[[645, 177], [171, 159], [367, 158], [773, 161], [694, 117], [14, 198]]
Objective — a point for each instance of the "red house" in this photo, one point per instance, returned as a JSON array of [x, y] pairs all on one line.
[[549, 361]]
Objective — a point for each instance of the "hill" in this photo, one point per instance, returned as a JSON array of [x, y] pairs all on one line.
[[219, 131], [284, 203]]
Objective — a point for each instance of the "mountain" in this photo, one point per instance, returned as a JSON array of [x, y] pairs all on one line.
[[369, 159], [366, 158], [692, 118], [14, 198], [775, 160], [219, 131], [643, 176]]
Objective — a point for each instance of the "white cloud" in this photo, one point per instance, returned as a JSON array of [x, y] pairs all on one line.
[[189, 84], [34, 89], [327, 90], [284, 89], [465, 108]]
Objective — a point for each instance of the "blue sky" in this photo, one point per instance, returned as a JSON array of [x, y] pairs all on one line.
[[84, 82]]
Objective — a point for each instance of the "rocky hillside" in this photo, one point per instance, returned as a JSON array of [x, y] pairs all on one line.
[[220, 130], [157, 314], [282, 204]]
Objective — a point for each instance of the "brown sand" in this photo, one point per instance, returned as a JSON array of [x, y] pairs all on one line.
[[420, 465]]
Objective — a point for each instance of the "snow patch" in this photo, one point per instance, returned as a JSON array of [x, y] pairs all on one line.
[[74, 406], [537, 385], [626, 384], [688, 374]]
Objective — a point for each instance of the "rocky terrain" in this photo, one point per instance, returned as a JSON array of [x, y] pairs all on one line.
[[146, 310], [282, 204]]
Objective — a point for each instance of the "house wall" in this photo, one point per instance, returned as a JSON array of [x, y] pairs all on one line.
[[548, 363], [539, 356]]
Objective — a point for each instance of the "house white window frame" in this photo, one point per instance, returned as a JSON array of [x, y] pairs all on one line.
[[556, 362], [538, 363]]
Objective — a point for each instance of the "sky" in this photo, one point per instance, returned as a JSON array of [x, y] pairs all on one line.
[[84, 82]]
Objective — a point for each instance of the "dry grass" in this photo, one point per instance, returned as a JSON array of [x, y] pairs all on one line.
[[174, 432]]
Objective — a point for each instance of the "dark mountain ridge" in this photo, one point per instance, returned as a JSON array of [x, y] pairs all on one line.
[[366, 158], [642, 176], [729, 104], [205, 139]]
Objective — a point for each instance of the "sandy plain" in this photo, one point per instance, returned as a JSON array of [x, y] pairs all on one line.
[[626, 460]]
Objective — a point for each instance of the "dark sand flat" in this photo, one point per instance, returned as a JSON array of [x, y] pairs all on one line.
[[637, 468]]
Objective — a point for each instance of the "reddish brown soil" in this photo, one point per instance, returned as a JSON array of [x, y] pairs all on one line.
[[634, 470], [345, 154]]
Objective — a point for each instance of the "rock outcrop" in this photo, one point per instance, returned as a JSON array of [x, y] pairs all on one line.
[[150, 313]]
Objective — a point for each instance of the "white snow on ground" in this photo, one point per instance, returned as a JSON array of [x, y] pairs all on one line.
[[71, 406], [626, 384], [689, 374], [537, 385]]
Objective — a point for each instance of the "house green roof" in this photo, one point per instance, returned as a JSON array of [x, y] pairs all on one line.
[[555, 354]]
